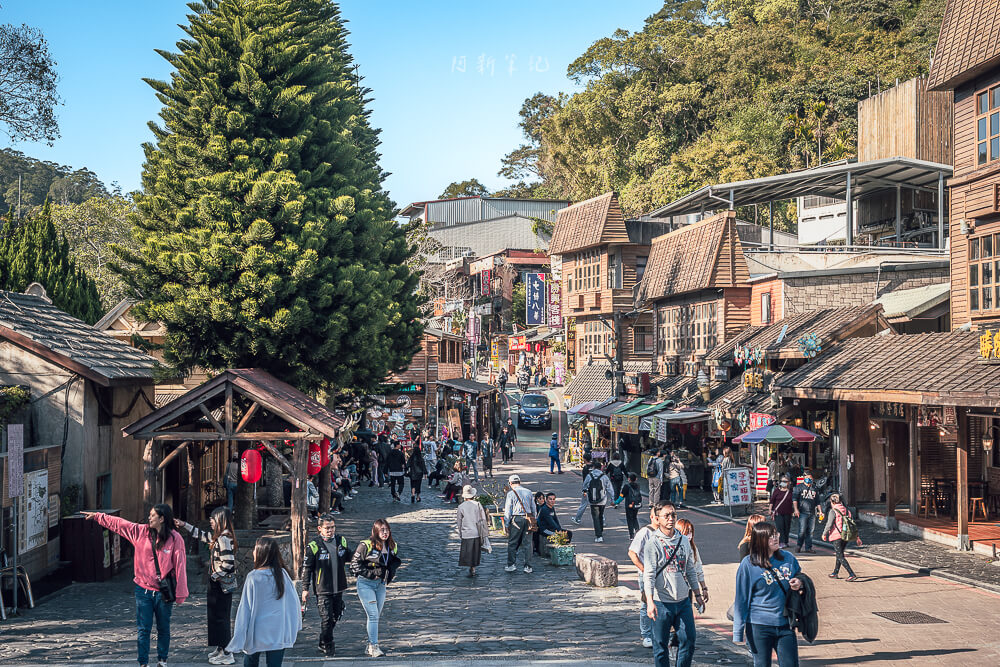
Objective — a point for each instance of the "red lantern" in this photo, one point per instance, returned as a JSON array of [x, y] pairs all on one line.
[[694, 428], [324, 452], [314, 459], [250, 466]]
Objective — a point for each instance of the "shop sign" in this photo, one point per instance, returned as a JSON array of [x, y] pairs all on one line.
[[948, 416], [483, 309], [516, 343], [636, 383], [555, 304], [989, 345], [534, 299], [33, 512], [411, 388], [929, 416], [661, 429], [486, 282], [625, 423], [571, 344], [760, 420], [889, 411], [721, 374], [600, 420], [737, 486], [754, 382]]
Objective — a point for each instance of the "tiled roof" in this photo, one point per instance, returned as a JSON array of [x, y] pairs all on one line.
[[968, 44], [587, 224], [731, 396], [912, 302], [673, 387], [699, 256], [829, 325], [589, 383], [34, 323], [942, 367], [724, 351]]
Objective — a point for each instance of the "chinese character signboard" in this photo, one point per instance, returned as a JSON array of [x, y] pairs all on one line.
[[737, 486], [472, 330], [15, 460], [534, 287], [571, 345], [486, 282], [888, 411], [760, 420], [555, 304], [989, 345]]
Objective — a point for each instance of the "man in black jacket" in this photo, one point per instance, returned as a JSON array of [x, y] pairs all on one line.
[[382, 450], [548, 522], [396, 468], [324, 570]]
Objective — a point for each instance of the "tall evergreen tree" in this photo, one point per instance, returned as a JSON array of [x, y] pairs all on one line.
[[32, 252], [265, 236]]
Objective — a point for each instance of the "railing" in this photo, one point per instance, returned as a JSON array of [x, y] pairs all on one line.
[[846, 249]]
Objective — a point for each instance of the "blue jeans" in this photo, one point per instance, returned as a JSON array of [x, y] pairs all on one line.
[[679, 616], [676, 492], [150, 604], [230, 493], [763, 639], [807, 520], [471, 465], [553, 462], [273, 659], [372, 596], [645, 622]]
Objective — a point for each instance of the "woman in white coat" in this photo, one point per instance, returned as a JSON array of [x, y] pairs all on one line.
[[473, 530], [269, 616]]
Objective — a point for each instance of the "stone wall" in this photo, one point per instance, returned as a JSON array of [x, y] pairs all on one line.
[[854, 289]]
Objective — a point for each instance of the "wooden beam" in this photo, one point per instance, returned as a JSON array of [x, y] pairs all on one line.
[[212, 435], [215, 422], [300, 460], [186, 406], [151, 477], [172, 455], [229, 408], [962, 481], [914, 462], [251, 411], [276, 454]]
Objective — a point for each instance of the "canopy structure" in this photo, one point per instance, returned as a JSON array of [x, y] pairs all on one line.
[[777, 433], [843, 180]]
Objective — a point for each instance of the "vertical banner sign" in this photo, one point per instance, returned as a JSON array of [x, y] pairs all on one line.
[[486, 282], [555, 304], [534, 299], [571, 345], [472, 330], [15, 460], [737, 486]]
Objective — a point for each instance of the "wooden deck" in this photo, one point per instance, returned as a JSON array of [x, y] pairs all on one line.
[[984, 534]]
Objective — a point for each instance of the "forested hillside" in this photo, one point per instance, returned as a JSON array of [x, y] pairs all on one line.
[[718, 90], [42, 180]]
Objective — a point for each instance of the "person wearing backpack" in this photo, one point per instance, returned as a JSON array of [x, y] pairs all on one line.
[[597, 487], [632, 497], [841, 529], [654, 472]]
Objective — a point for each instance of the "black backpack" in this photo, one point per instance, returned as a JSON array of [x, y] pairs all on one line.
[[595, 490], [652, 468]]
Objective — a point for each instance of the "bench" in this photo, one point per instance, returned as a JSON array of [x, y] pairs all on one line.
[[597, 570]]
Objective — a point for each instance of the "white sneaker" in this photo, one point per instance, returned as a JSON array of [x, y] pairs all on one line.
[[161, 664], [510, 568], [527, 569], [576, 521], [223, 659], [647, 642], [214, 654], [374, 651], [598, 539]]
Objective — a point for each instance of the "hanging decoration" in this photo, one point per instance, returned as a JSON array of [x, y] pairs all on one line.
[[314, 459], [809, 345], [744, 355], [324, 452], [250, 466]]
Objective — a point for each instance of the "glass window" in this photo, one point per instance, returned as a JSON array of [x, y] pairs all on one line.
[[982, 103], [986, 247], [974, 275], [988, 126], [981, 132], [995, 148], [987, 273], [974, 249], [995, 98], [987, 298], [974, 299], [981, 153], [995, 122]]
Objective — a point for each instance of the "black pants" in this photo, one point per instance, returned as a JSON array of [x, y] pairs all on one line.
[[597, 514], [783, 522], [487, 466], [336, 500], [415, 485], [838, 547], [330, 606], [394, 482], [435, 478], [632, 517], [219, 607]]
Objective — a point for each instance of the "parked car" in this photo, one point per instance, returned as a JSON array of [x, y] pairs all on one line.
[[535, 411]]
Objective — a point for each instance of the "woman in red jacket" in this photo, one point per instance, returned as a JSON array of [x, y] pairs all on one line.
[[170, 557]]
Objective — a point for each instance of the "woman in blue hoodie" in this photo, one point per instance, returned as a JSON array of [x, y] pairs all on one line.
[[554, 454], [764, 579]]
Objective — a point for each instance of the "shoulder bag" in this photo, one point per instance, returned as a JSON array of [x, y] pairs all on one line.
[[532, 520], [168, 584]]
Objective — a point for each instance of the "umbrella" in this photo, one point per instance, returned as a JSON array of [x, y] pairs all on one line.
[[777, 433]]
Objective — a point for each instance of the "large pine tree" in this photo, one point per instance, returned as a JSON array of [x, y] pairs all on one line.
[[32, 252], [265, 236]]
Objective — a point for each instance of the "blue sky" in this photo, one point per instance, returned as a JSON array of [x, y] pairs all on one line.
[[439, 123]]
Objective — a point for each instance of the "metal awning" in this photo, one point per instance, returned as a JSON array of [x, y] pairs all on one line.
[[841, 180], [685, 417], [626, 409], [645, 409]]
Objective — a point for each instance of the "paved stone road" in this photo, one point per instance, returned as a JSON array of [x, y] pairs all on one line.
[[432, 611]]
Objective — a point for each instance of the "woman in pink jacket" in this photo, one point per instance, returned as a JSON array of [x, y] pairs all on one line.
[[170, 557]]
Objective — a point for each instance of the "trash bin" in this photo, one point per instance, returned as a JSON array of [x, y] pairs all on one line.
[[93, 551]]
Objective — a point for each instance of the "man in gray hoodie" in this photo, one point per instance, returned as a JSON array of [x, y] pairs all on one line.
[[668, 578]]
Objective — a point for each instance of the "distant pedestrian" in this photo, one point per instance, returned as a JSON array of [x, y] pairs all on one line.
[[773, 474], [269, 617], [536, 537], [396, 469], [375, 563], [678, 480], [486, 449], [715, 463], [158, 557], [231, 480], [637, 554], [554, 454], [616, 471], [505, 439], [221, 541], [781, 509], [632, 497], [519, 512], [669, 578], [654, 473], [415, 470], [325, 571], [763, 582], [804, 505], [588, 465], [512, 431], [473, 531], [470, 452], [840, 529], [597, 487], [502, 380], [382, 450]]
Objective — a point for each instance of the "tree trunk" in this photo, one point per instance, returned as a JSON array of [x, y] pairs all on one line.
[[243, 509], [194, 495], [275, 497], [300, 469], [324, 489]]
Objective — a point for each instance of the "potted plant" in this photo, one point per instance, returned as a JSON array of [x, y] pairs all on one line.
[[561, 552]]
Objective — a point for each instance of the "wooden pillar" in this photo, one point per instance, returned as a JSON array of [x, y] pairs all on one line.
[[151, 475], [888, 435], [300, 473], [846, 448], [962, 480], [324, 486], [195, 502], [914, 460]]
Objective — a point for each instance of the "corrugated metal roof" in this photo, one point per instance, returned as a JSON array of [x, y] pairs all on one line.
[[468, 386], [63, 339], [913, 302]]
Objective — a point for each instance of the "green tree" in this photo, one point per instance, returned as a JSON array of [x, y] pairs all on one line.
[[32, 251], [92, 228], [469, 188], [28, 94], [265, 236], [519, 304]]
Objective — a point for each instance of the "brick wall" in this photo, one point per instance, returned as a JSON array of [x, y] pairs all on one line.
[[856, 289]]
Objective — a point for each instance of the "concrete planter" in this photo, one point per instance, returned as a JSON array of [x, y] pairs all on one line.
[[562, 555]]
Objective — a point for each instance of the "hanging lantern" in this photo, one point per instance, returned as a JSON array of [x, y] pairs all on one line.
[[314, 459], [694, 428], [250, 466], [324, 452]]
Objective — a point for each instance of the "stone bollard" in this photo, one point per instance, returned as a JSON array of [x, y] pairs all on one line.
[[597, 570]]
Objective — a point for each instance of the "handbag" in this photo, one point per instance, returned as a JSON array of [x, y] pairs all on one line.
[[484, 532], [168, 584], [532, 520], [228, 582]]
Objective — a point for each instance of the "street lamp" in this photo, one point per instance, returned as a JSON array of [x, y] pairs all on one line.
[[988, 439]]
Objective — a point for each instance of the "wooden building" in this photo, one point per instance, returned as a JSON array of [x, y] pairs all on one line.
[[967, 62], [84, 387]]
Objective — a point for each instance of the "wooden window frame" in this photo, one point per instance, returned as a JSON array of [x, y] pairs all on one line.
[[765, 313], [983, 287], [987, 126], [646, 334]]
